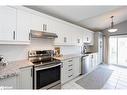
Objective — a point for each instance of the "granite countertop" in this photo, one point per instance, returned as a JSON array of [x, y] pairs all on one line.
[[64, 57], [13, 68]]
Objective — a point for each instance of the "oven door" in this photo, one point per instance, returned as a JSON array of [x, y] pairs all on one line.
[[47, 77]]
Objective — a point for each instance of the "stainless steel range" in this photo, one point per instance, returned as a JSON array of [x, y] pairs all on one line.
[[46, 69]]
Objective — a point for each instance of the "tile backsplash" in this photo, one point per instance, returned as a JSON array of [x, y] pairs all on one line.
[[19, 52]]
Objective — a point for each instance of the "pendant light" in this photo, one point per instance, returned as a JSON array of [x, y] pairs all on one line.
[[112, 29]]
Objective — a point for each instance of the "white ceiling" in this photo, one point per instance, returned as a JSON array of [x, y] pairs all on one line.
[[93, 17]]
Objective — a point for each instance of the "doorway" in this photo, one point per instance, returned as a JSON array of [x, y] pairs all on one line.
[[118, 50]]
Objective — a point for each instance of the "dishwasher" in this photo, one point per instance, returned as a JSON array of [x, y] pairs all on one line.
[[85, 63]]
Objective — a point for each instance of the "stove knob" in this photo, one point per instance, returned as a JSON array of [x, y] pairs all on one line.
[[30, 53]]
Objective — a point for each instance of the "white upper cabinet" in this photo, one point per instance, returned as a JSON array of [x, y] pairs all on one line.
[[88, 37], [36, 22], [7, 24], [78, 37], [24, 20], [16, 23], [67, 34]]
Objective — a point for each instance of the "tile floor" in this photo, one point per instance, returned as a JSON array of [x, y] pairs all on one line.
[[118, 79]]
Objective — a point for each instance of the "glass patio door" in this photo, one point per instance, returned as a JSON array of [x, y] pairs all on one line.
[[118, 50]]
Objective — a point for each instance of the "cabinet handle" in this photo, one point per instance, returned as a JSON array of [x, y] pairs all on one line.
[[44, 27], [65, 39], [29, 36], [78, 40], [70, 70], [70, 61], [70, 76], [13, 35], [70, 65], [31, 72], [87, 39]]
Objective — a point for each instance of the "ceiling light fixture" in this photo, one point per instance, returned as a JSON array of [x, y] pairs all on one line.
[[112, 29]]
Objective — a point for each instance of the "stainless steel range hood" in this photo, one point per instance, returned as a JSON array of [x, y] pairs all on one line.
[[41, 34]]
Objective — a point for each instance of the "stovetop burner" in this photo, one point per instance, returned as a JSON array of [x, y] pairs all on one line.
[[42, 57], [44, 62]]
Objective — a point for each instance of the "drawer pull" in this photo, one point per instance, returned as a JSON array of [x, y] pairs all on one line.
[[70, 61], [70, 70], [70, 65], [70, 76]]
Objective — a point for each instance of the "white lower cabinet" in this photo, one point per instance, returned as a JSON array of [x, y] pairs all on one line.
[[71, 68], [92, 61], [77, 66], [8, 83], [25, 79]]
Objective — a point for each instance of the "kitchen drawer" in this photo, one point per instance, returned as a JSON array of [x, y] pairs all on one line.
[[70, 71], [70, 67], [70, 76], [70, 61]]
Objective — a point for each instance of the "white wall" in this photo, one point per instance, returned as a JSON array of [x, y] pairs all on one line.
[[19, 52]]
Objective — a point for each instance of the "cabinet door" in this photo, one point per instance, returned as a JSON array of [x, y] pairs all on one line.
[[92, 61], [91, 37], [95, 59], [36, 22], [8, 83], [88, 37], [88, 63], [64, 73], [23, 25], [61, 31], [77, 66], [79, 38], [67, 72], [26, 78], [7, 23]]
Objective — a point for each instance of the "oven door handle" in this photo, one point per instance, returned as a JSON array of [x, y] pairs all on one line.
[[43, 68]]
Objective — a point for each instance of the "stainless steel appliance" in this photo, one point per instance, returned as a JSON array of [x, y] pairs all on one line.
[[85, 64], [41, 34], [46, 70]]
